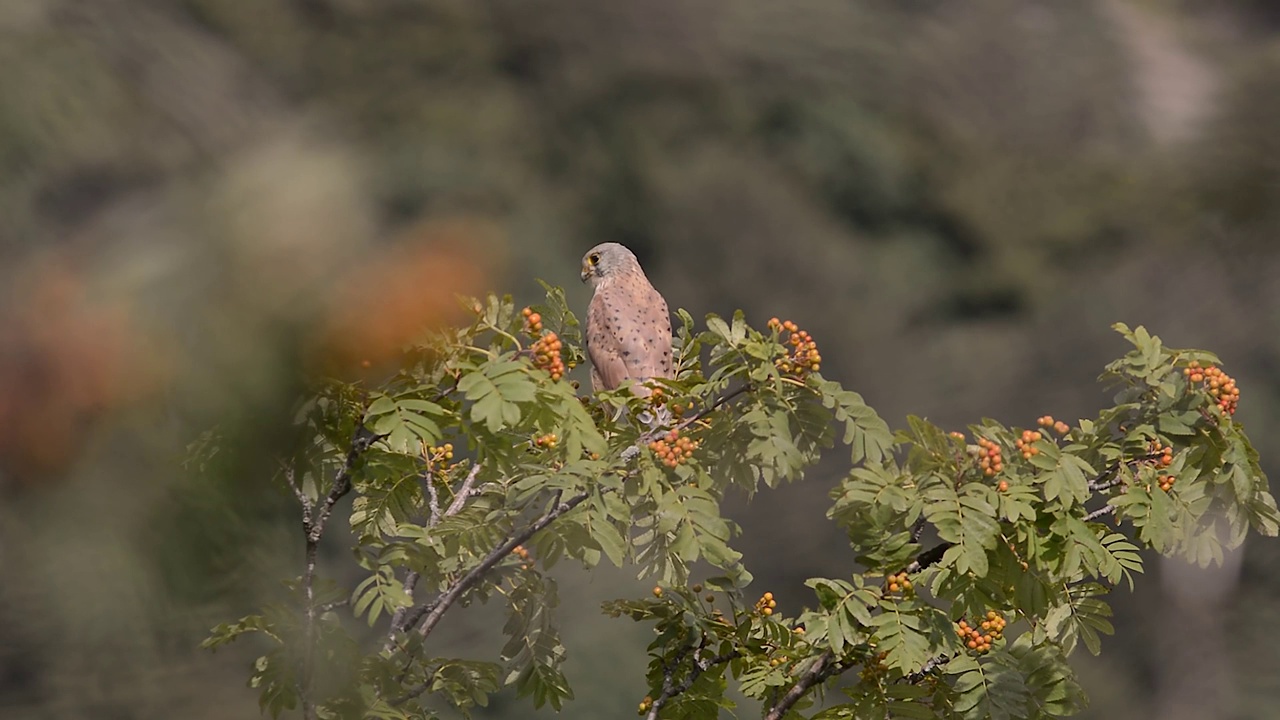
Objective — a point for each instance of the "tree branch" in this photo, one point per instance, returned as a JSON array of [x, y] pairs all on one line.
[[313, 524], [463, 492], [411, 693], [434, 610], [927, 668], [398, 618], [928, 557], [669, 687], [1099, 513], [825, 667]]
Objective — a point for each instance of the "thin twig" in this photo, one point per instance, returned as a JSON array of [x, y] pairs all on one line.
[[411, 693], [397, 618], [433, 500], [288, 473], [1105, 509], [463, 492], [326, 607]]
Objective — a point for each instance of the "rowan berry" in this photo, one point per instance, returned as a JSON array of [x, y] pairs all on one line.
[[1003, 486], [979, 639], [1025, 443], [440, 454], [546, 441], [898, 582], [990, 457], [803, 357], [546, 353], [1220, 386], [674, 448], [657, 591]]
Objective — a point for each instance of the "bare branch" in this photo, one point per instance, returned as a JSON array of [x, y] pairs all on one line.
[[397, 618], [671, 689], [434, 610], [1104, 510], [463, 492], [411, 693], [313, 524], [433, 500], [825, 667], [928, 557], [927, 668], [289, 477]]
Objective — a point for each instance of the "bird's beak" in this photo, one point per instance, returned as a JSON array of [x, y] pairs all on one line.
[[586, 272]]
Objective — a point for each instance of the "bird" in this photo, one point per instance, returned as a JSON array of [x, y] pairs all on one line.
[[628, 326]]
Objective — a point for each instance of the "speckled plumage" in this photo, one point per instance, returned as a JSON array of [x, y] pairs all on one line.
[[628, 327]]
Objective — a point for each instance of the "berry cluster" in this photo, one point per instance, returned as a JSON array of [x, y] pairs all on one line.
[[546, 355], [520, 552], [532, 322], [1166, 482], [1163, 455], [1057, 426], [775, 662], [674, 448], [546, 349], [443, 453], [1024, 443], [980, 638], [546, 441], [898, 583], [990, 458], [1218, 384], [766, 604], [645, 704], [804, 356]]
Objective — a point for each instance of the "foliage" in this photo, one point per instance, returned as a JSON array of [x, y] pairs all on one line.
[[950, 538]]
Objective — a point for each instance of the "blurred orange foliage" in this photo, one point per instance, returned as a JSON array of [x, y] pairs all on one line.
[[382, 305], [68, 355]]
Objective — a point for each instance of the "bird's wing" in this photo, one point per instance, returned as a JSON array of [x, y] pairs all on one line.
[[653, 357], [636, 317], [608, 371]]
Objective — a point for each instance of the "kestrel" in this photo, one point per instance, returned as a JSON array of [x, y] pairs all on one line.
[[628, 328]]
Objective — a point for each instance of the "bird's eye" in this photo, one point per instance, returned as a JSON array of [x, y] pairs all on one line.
[[593, 258]]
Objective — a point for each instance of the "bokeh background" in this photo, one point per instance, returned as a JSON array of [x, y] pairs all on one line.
[[203, 203]]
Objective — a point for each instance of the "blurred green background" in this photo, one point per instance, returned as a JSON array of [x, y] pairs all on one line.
[[205, 202]]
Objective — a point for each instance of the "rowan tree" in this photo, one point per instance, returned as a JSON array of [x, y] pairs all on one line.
[[980, 559]]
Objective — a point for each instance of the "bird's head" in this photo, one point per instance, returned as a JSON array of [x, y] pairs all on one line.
[[605, 261]]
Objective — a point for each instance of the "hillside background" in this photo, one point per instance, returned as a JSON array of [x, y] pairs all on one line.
[[205, 202]]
